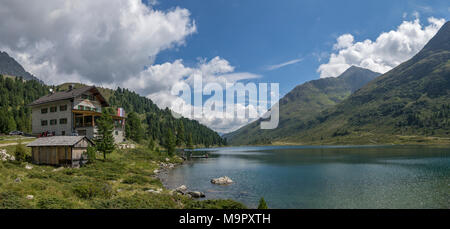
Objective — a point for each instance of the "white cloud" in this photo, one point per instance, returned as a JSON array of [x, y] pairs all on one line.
[[344, 41], [386, 52], [94, 41], [277, 66], [157, 80]]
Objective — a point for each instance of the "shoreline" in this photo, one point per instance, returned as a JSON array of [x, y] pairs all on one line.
[[162, 175]]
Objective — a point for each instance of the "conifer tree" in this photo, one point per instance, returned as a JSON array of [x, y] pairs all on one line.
[[105, 141]]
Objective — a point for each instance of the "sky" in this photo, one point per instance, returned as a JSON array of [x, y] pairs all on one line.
[[149, 46]]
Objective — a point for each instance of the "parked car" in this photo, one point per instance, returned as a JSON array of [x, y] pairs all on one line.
[[16, 132]]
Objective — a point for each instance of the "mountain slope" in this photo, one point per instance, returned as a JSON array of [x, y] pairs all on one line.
[[10, 67], [412, 99], [303, 103], [15, 94]]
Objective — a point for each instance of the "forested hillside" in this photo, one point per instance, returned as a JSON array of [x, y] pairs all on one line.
[[145, 120], [158, 122], [15, 94]]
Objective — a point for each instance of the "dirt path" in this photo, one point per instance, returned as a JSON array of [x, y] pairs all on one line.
[[13, 143]]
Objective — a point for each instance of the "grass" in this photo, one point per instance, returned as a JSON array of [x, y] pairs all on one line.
[[119, 182], [6, 139]]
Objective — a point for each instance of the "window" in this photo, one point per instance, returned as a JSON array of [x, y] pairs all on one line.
[[80, 107], [81, 132], [52, 109], [44, 111], [117, 132], [63, 133], [44, 122], [63, 108], [90, 97], [63, 121], [52, 122]]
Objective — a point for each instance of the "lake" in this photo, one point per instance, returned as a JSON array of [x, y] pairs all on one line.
[[322, 176]]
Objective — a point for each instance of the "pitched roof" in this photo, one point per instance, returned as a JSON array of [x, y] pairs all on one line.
[[63, 95], [57, 141]]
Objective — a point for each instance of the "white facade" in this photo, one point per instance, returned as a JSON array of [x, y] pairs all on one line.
[[72, 116]]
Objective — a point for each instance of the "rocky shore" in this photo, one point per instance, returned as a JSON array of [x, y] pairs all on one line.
[[163, 170]]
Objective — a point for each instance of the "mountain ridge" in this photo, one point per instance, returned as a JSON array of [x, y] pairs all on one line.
[[303, 103], [9, 66], [410, 100]]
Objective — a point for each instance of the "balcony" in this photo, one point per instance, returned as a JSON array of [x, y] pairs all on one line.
[[84, 119]]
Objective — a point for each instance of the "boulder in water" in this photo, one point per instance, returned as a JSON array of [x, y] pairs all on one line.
[[222, 180]]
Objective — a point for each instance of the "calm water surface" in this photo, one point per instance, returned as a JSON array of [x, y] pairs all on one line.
[[323, 176]]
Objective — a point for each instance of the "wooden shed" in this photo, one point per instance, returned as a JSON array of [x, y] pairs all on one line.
[[60, 150]]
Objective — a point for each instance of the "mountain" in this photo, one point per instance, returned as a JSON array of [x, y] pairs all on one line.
[[302, 104], [10, 67], [410, 103]]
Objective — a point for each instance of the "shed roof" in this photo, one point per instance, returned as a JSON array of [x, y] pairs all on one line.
[[69, 94], [58, 141]]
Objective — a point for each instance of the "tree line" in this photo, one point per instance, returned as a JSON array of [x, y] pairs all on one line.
[[146, 121], [15, 95]]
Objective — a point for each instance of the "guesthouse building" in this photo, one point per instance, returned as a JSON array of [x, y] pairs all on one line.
[[73, 113]]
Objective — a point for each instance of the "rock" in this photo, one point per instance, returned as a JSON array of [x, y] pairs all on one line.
[[30, 197], [18, 180], [196, 194], [156, 171], [58, 169], [6, 157], [28, 167], [167, 159], [155, 191], [222, 180], [181, 189], [119, 190]]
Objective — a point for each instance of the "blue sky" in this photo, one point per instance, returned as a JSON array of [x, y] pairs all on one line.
[[255, 34]]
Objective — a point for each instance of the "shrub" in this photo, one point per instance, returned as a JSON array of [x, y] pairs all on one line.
[[139, 201], [91, 190], [215, 204], [13, 200], [38, 175], [54, 203], [91, 153], [136, 179], [20, 153], [262, 204], [151, 144]]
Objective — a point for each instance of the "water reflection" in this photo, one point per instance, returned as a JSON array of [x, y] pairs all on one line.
[[323, 177]]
